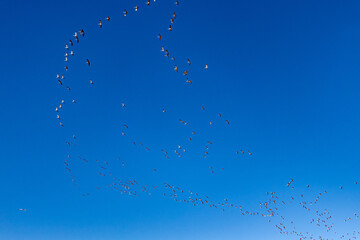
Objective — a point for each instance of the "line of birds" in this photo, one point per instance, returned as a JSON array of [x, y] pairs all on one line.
[[268, 209]]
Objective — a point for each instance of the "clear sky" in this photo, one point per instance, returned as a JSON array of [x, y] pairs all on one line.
[[284, 73]]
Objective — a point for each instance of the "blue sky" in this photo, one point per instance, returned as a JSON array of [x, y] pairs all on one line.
[[285, 74]]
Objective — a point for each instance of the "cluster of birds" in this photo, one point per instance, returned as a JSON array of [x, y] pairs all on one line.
[[271, 209]]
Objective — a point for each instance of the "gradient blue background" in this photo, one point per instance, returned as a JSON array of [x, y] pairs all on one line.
[[285, 73]]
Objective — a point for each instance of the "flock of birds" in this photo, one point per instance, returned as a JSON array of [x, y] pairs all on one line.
[[272, 209]]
